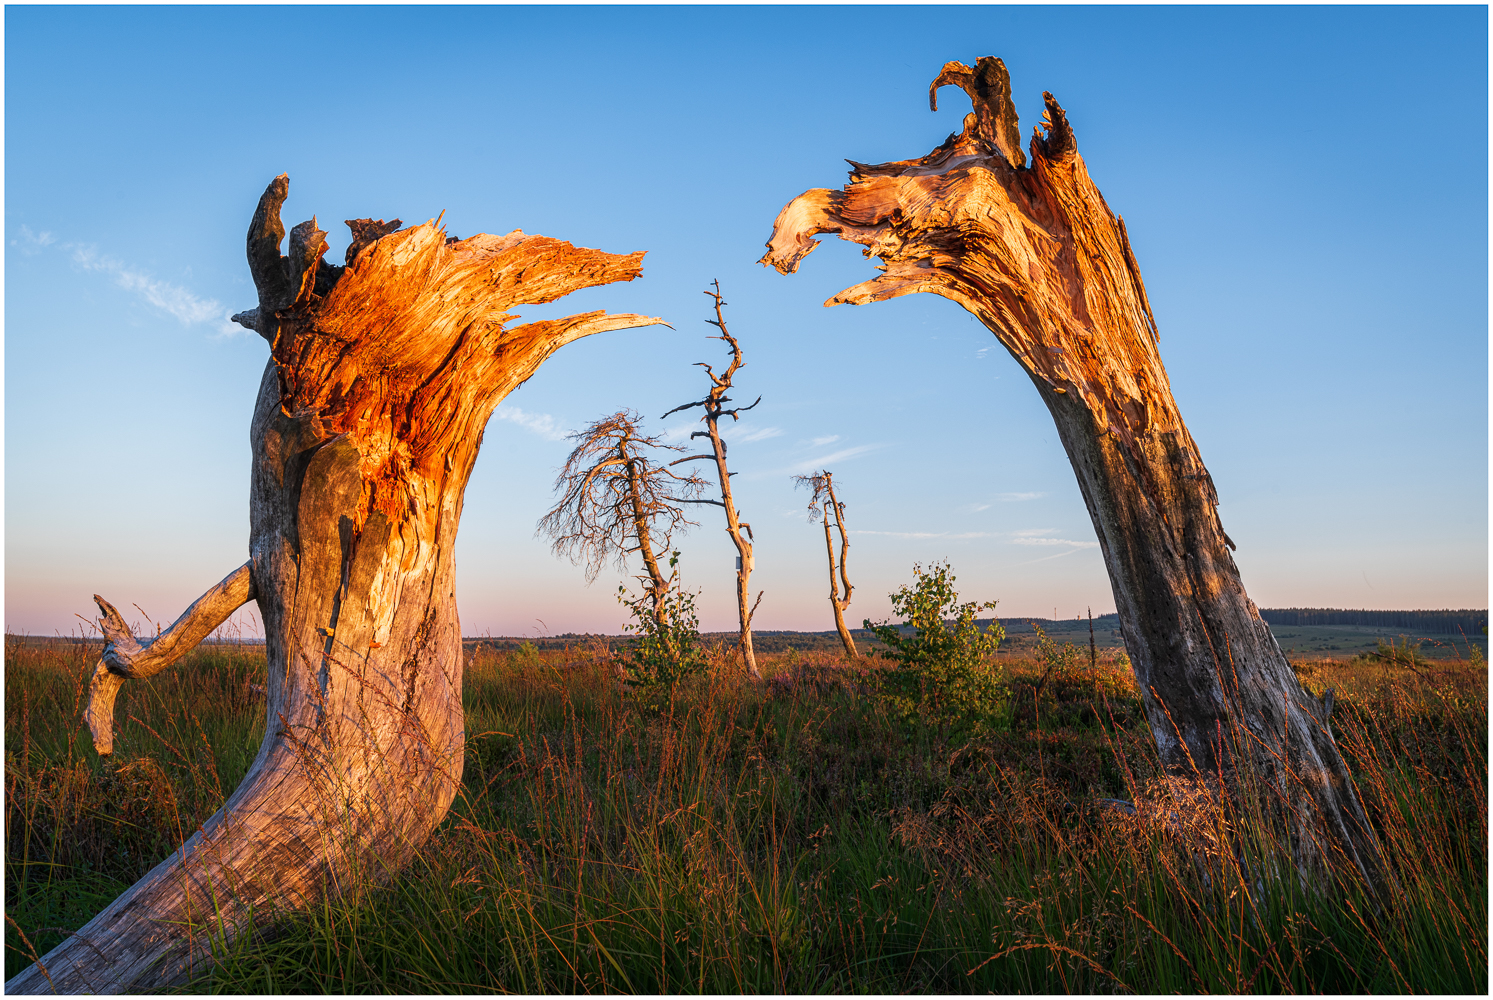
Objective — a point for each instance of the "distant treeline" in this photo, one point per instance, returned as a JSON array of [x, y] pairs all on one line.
[[1466, 621]]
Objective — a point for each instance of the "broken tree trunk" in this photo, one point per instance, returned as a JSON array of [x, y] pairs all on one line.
[[1036, 254], [822, 483], [370, 413]]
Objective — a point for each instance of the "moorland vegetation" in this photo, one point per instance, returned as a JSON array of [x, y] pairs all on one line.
[[828, 830]]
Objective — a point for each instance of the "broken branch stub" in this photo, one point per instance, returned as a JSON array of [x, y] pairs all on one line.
[[124, 658], [381, 378], [1036, 254]]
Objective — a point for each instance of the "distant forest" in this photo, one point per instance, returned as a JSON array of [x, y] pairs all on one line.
[[1464, 622]]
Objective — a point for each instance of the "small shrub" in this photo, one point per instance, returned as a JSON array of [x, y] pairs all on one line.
[[1406, 653], [663, 652], [941, 675], [526, 655]]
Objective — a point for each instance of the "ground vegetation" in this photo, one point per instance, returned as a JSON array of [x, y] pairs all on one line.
[[792, 835]]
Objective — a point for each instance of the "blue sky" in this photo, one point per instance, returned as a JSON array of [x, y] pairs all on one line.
[[1305, 189]]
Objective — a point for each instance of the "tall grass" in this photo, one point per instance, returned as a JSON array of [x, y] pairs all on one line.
[[790, 836]]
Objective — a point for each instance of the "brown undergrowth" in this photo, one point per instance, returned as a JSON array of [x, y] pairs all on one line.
[[789, 836]]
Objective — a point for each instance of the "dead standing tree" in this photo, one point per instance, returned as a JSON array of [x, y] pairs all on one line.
[[824, 506], [616, 501], [382, 376], [1036, 254], [714, 405]]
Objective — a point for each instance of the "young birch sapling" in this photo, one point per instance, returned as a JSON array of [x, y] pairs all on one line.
[[740, 531], [823, 487], [941, 675]]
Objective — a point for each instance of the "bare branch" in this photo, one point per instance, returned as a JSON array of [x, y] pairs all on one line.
[[686, 406], [743, 409]]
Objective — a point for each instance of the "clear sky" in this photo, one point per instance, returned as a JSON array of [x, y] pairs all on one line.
[[1305, 189]]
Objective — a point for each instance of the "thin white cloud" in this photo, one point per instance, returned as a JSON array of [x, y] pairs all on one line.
[[1013, 497], [187, 308], [975, 508], [983, 351], [1033, 562], [820, 442], [1069, 542], [837, 456], [29, 242], [1029, 536], [542, 424], [1032, 539], [746, 433], [929, 534]]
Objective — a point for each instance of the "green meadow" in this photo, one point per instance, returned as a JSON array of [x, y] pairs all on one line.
[[789, 836]]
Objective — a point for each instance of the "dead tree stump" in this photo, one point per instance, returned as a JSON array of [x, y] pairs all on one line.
[[1036, 254], [382, 375]]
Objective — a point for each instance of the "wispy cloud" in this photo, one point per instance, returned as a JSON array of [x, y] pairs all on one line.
[[975, 508], [1013, 497], [1028, 536], [1055, 541], [746, 433], [833, 457], [1039, 536], [1058, 555], [930, 534], [187, 308], [983, 351], [29, 242], [542, 424], [820, 442], [731, 432]]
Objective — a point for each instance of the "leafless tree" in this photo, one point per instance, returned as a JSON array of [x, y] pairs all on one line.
[[715, 408], [824, 506], [617, 501]]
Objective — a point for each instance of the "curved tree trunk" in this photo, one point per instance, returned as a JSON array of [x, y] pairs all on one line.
[[382, 377], [1036, 254]]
